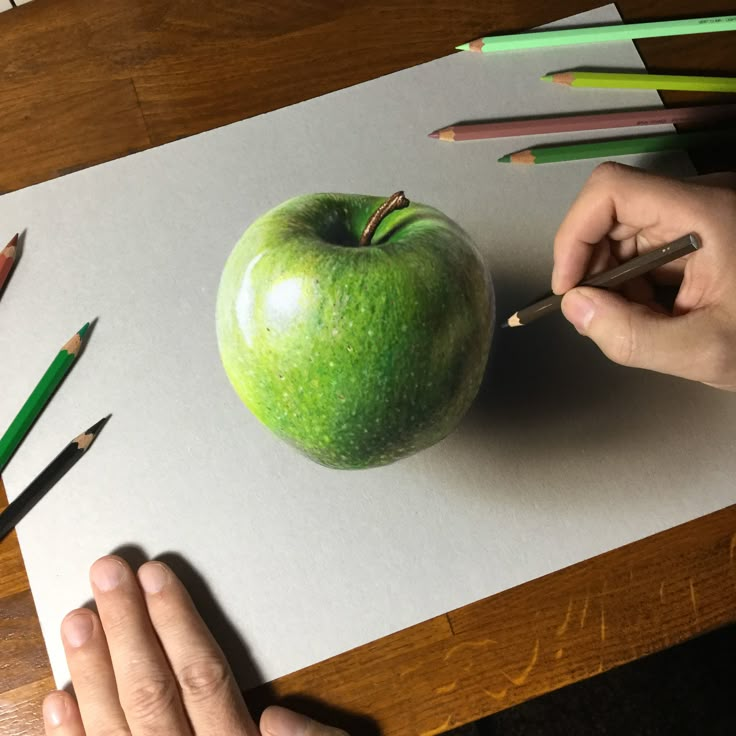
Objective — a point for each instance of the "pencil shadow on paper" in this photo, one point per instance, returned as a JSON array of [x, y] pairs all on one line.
[[598, 69]]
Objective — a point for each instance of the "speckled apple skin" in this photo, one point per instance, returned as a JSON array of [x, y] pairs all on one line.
[[357, 356]]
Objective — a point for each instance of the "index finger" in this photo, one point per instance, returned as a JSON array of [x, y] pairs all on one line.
[[621, 202]]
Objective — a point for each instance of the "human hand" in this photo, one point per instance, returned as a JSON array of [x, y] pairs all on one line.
[[622, 212], [149, 665]]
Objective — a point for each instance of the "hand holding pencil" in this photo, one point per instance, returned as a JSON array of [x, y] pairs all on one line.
[[623, 212]]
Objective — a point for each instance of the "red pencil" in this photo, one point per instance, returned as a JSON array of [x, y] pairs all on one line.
[[593, 121], [7, 259]]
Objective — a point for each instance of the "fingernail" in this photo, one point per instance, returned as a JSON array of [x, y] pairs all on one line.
[[77, 629], [579, 310], [153, 577], [555, 280], [284, 722], [54, 709], [107, 573]]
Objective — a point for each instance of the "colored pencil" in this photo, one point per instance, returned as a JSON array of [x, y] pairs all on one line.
[[598, 34], [609, 279], [40, 395], [48, 478], [618, 147], [7, 259], [594, 121], [614, 80]]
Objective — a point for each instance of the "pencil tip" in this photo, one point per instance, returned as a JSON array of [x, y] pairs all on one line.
[[83, 330], [463, 47], [505, 325], [505, 159], [434, 134], [97, 427], [546, 78]]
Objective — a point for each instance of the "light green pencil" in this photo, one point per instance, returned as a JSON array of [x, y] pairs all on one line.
[[621, 147], [642, 81], [596, 34]]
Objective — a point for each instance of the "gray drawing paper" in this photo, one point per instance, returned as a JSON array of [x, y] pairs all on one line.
[[563, 456]]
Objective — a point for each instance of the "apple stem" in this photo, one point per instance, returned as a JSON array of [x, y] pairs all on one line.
[[396, 201]]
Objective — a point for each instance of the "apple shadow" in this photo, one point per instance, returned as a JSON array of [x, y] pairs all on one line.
[[545, 370], [550, 397]]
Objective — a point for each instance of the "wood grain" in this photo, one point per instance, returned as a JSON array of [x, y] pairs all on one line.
[[85, 82], [540, 636]]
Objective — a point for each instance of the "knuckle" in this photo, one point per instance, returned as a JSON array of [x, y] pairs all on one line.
[[725, 200], [623, 347], [116, 620], [204, 678], [607, 170], [720, 359], [113, 731], [150, 698]]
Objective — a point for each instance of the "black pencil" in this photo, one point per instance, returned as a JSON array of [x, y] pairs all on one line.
[[48, 478], [611, 278]]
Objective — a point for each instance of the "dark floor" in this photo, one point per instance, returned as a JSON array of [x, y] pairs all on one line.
[[689, 690]]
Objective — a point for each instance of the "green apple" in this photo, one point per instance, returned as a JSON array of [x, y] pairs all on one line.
[[356, 329]]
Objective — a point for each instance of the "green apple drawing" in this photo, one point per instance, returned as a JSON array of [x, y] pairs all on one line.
[[356, 329]]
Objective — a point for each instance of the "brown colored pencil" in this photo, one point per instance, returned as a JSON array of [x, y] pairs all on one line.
[[7, 259], [611, 278], [590, 121]]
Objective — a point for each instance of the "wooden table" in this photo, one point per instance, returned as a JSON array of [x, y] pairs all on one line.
[[84, 81]]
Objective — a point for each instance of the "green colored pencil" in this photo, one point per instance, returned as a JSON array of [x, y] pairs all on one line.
[[620, 147], [39, 397], [597, 34], [642, 81]]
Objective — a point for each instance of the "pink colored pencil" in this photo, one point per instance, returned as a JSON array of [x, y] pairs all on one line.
[[594, 121], [7, 259]]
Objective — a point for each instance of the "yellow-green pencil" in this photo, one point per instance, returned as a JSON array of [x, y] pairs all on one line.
[[614, 80]]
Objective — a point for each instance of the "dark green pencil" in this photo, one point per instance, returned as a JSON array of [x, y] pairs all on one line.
[[605, 149], [39, 397], [48, 478]]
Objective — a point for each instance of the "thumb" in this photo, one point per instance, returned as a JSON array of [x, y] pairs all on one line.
[[634, 335], [277, 721]]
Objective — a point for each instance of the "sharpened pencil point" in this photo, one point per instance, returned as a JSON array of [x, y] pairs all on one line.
[[97, 427], [547, 78], [434, 134], [505, 159], [463, 47], [13, 241], [504, 325], [84, 329]]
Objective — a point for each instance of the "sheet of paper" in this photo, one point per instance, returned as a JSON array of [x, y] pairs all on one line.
[[564, 456]]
